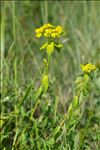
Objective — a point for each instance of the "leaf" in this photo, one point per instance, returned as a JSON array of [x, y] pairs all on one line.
[[50, 48], [45, 83], [70, 108], [75, 101], [38, 93], [43, 46], [58, 47], [85, 92], [78, 80], [56, 130], [25, 96]]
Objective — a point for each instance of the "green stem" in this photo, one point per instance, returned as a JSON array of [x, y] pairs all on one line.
[[34, 109], [48, 62]]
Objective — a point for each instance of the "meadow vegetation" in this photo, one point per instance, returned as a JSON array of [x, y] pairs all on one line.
[[50, 75]]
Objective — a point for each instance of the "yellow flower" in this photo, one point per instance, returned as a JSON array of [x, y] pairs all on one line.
[[59, 29], [38, 35], [39, 30], [88, 68], [48, 25], [48, 30], [54, 35]]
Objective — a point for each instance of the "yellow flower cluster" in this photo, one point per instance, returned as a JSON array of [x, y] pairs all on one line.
[[48, 30], [88, 68]]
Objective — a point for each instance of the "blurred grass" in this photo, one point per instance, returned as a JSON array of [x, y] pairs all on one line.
[[20, 55], [81, 21]]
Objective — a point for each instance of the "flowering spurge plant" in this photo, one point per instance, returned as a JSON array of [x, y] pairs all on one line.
[[47, 117], [84, 84], [52, 35]]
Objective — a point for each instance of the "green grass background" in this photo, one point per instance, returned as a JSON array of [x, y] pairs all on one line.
[[21, 59]]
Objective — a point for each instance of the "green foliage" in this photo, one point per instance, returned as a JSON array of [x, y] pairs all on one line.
[[41, 109]]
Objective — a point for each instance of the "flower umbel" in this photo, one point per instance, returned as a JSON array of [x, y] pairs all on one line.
[[88, 68], [48, 30], [52, 35]]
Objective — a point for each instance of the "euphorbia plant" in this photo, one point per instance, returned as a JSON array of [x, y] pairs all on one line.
[[83, 84], [52, 42], [76, 109]]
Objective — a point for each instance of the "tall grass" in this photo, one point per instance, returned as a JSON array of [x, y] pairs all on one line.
[[28, 122]]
